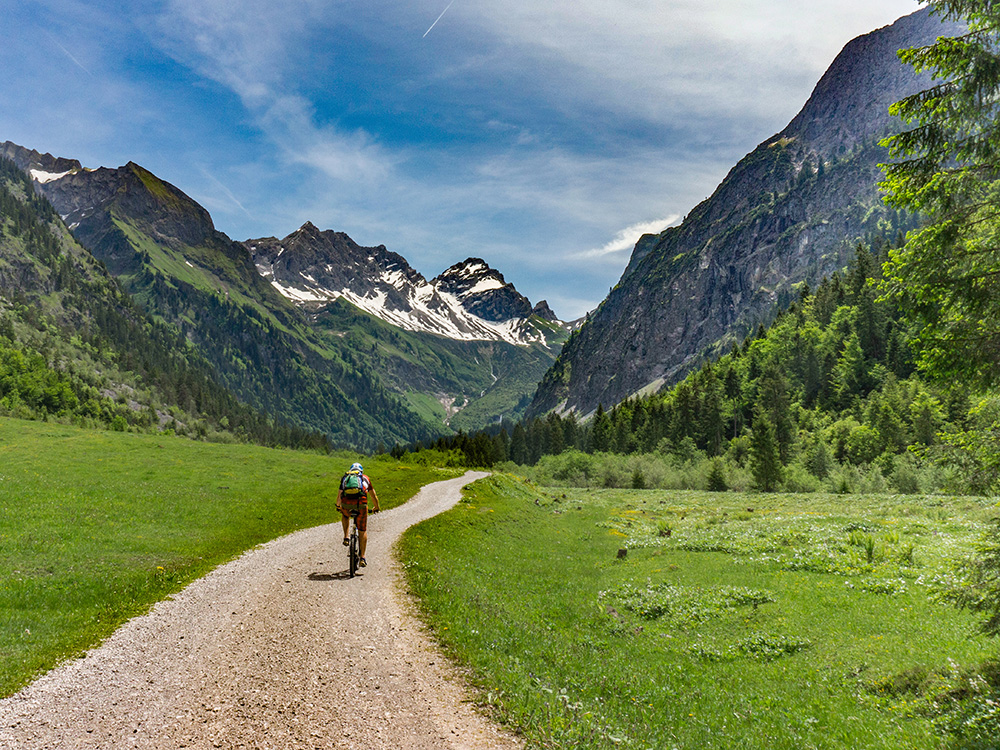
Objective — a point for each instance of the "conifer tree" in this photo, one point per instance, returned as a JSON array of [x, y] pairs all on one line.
[[947, 275], [519, 445], [600, 436], [947, 167], [774, 406], [765, 461], [712, 426]]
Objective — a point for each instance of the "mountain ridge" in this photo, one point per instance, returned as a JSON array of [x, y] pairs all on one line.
[[468, 301], [316, 368], [789, 212]]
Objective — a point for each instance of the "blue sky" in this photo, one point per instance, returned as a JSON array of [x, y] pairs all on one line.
[[541, 135]]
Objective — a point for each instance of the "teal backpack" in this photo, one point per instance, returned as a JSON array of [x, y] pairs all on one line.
[[352, 486]]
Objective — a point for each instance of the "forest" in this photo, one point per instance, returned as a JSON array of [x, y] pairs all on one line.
[[828, 397]]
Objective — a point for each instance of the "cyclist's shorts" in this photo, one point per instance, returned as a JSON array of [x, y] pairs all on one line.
[[346, 506]]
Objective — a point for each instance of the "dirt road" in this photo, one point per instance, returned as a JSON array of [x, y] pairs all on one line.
[[277, 649]]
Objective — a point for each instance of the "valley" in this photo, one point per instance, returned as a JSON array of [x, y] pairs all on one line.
[[747, 501], [291, 349]]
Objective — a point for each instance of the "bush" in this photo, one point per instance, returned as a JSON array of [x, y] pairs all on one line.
[[799, 479], [905, 475], [850, 479]]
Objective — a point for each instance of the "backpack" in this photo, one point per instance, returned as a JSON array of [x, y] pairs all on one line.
[[353, 486]]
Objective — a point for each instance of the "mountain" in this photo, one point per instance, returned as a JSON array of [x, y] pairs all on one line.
[[469, 301], [464, 348], [296, 327], [165, 251], [75, 346], [788, 213]]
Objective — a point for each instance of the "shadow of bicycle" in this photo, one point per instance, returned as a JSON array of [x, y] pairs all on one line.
[[343, 575]]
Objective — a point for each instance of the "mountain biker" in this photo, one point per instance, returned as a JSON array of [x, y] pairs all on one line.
[[347, 500]]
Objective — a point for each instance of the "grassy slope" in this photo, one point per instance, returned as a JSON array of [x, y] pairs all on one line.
[[97, 526], [578, 649]]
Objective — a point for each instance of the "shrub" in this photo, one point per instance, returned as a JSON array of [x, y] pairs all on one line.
[[905, 477], [717, 477], [799, 479]]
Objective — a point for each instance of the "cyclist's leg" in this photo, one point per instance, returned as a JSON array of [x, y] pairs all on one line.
[[345, 521], [363, 526]]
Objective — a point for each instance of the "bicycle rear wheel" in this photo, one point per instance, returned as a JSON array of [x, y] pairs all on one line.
[[353, 554]]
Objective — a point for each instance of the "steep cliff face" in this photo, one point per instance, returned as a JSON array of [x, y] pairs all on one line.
[[791, 211]]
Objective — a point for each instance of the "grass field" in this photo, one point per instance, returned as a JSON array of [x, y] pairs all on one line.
[[733, 621], [96, 526]]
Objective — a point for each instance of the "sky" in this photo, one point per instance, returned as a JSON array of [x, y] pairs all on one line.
[[544, 136]]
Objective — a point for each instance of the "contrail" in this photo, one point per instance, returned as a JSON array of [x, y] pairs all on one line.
[[438, 19], [70, 55], [224, 189]]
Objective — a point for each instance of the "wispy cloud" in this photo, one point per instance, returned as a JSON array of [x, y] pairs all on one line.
[[625, 240], [225, 190], [538, 132]]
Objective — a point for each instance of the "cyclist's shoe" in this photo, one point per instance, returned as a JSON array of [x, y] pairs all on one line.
[[362, 562], [346, 541]]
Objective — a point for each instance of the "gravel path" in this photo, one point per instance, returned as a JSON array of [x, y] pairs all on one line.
[[277, 649]]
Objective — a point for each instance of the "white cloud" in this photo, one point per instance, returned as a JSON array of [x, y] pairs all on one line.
[[625, 240], [705, 82]]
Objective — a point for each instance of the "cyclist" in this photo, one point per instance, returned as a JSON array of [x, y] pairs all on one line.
[[350, 497]]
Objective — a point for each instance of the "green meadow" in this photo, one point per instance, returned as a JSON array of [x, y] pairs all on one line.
[[732, 621], [97, 526]]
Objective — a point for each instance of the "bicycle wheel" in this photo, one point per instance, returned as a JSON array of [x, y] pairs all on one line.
[[353, 555]]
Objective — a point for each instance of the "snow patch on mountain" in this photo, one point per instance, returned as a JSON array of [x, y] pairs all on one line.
[[469, 301], [39, 176]]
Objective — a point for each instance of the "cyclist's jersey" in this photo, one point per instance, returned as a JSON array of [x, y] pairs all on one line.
[[366, 486], [348, 504]]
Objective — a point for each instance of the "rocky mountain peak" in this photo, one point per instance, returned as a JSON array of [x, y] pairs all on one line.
[[40, 167], [87, 199], [468, 301], [543, 311], [483, 291], [791, 211]]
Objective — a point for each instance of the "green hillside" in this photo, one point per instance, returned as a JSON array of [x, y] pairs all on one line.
[[74, 346], [166, 254], [485, 381]]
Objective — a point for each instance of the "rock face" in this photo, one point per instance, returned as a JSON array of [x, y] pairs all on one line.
[[41, 167], [469, 301], [791, 211], [90, 201], [130, 191], [483, 291]]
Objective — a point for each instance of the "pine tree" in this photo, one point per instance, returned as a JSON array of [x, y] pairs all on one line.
[[519, 445], [765, 460], [773, 403], [711, 422], [717, 477], [947, 168], [601, 432]]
